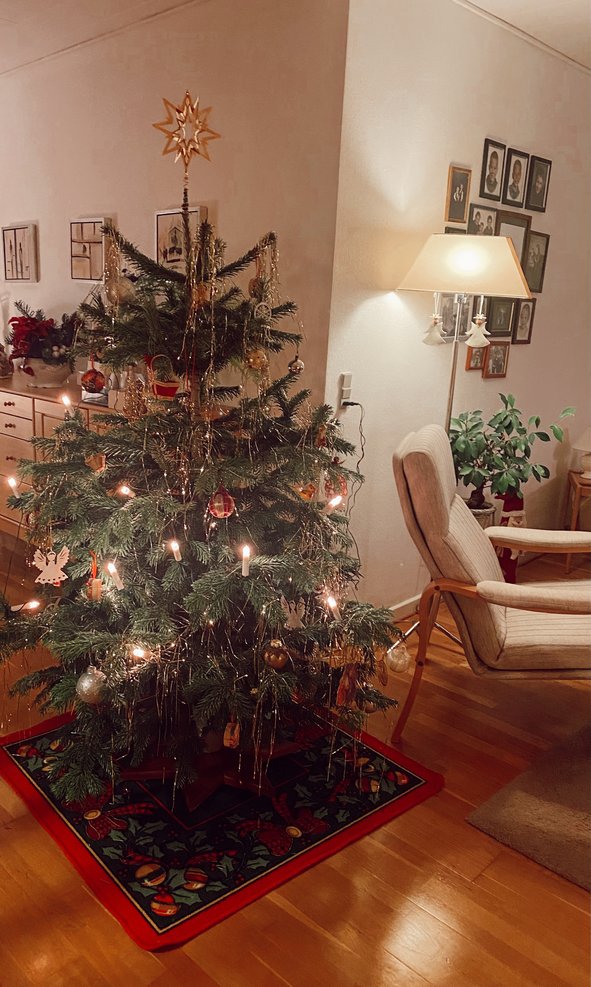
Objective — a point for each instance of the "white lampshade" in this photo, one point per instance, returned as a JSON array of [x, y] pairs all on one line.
[[469, 265]]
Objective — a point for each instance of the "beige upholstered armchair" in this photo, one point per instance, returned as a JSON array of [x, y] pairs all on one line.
[[540, 629]]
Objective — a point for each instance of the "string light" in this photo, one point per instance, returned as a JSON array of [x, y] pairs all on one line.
[[66, 401], [246, 560], [30, 605], [175, 549], [125, 491], [12, 482], [112, 570], [332, 603], [138, 652]]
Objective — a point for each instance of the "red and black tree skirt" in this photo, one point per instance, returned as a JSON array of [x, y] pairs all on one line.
[[168, 874]]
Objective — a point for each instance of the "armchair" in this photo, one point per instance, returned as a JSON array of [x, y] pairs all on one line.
[[538, 630]]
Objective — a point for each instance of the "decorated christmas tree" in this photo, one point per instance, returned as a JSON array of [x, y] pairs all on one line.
[[198, 576]]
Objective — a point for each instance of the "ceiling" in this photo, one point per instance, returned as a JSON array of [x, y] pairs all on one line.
[[32, 30], [563, 25]]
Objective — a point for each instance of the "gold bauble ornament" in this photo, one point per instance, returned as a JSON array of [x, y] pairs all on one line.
[[256, 359], [276, 655]]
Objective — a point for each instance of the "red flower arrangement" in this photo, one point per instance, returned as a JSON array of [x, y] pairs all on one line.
[[34, 336]]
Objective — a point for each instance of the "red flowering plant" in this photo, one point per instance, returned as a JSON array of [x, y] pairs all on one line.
[[34, 336]]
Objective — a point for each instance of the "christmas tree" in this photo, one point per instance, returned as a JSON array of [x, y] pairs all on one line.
[[197, 567]]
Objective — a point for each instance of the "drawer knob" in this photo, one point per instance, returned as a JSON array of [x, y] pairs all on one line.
[[9, 404], [10, 426]]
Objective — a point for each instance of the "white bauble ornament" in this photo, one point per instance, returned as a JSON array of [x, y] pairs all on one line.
[[90, 686], [398, 658]]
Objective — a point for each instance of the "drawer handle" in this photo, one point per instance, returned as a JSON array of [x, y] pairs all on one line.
[[10, 426], [13, 458], [10, 404]]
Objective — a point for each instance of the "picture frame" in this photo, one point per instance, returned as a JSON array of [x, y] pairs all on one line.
[[500, 316], [496, 360], [454, 229], [536, 255], [458, 194], [19, 246], [169, 237], [475, 357], [515, 178], [491, 176], [538, 182], [449, 307], [87, 249], [523, 320], [481, 220], [515, 225]]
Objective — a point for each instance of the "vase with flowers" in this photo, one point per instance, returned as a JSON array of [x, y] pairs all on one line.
[[43, 346]]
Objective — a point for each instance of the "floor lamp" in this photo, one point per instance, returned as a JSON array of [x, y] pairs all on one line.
[[463, 266]]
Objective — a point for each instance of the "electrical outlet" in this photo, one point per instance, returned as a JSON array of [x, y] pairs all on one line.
[[345, 387]]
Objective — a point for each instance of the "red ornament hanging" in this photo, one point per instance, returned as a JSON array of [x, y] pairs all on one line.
[[93, 381], [221, 503]]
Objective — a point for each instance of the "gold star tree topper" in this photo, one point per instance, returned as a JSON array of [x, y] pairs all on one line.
[[186, 129]]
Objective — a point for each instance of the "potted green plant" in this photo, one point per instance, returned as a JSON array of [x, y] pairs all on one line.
[[498, 453]]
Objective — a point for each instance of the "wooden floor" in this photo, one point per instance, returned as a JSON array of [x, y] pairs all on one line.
[[424, 900]]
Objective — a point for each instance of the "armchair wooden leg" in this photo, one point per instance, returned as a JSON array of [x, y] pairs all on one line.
[[428, 608]]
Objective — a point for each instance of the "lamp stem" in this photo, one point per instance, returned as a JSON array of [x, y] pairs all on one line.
[[460, 299]]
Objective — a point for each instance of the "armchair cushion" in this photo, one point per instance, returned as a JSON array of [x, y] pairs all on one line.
[[546, 640], [557, 597]]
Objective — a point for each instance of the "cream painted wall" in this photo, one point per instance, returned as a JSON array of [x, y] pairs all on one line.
[[78, 140], [426, 82]]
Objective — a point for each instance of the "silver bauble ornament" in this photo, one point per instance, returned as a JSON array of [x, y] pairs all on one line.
[[296, 366], [398, 658], [91, 685]]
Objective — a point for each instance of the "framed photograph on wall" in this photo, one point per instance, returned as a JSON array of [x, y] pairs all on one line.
[[496, 360], [500, 316], [538, 180], [87, 249], [515, 177], [481, 220], [523, 320], [458, 194], [170, 241], [493, 160], [516, 225], [475, 357], [449, 308], [19, 243], [453, 229], [536, 255]]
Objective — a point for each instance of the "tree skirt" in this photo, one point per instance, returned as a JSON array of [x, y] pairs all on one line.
[[167, 874], [545, 813]]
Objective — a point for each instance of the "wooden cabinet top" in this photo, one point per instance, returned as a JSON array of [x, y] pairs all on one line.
[[17, 385]]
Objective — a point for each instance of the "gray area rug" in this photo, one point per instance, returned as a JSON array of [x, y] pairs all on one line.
[[545, 813]]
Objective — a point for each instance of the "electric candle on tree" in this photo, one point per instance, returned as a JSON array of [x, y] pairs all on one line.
[[112, 570], [246, 560], [176, 551]]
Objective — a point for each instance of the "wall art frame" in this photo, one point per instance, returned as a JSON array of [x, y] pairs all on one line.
[[87, 249], [515, 225], [515, 178], [458, 194], [523, 321], [496, 359], [20, 252], [491, 175], [536, 255], [538, 183], [169, 242]]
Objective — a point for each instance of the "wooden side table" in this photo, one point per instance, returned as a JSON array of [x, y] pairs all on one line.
[[579, 490]]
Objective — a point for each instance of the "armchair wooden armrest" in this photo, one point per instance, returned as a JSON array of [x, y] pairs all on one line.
[[539, 540]]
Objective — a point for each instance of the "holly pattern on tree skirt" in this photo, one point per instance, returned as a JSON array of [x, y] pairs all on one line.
[[182, 872]]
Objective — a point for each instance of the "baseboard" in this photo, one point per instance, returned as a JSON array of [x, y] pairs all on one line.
[[405, 608]]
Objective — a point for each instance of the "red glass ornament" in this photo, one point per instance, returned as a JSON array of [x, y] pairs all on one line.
[[221, 503], [93, 381]]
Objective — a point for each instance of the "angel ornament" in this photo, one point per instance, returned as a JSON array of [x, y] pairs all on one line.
[[51, 566], [294, 610]]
